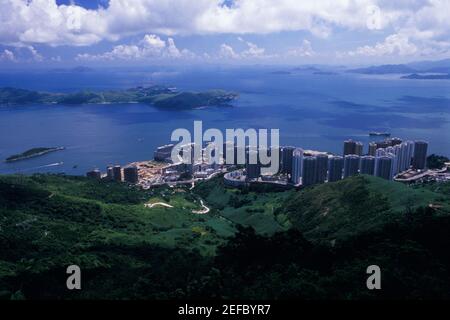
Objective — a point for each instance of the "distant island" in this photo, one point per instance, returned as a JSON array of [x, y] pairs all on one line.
[[307, 69], [32, 153], [78, 69], [384, 69], [281, 72], [439, 66], [159, 96], [427, 76], [326, 73]]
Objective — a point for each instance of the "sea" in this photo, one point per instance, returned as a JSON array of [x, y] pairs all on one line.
[[312, 110]]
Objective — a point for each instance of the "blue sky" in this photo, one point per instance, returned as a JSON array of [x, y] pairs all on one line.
[[121, 32]]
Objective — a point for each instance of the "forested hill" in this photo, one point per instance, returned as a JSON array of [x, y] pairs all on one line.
[[318, 246], [336, 211]]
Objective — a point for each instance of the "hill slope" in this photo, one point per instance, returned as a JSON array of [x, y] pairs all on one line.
[[358, 204], [128, 251]]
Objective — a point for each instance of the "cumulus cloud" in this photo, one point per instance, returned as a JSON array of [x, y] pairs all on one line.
[[43, 21], [423, 24], [7, 55], [252, 51], [21, 54], [56, 59], [35, 55], [254, 16], [151, 46], [227, 52], [394, 44], [304, 50]]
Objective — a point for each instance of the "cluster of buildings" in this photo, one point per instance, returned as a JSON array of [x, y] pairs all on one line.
[[162, 170], [384, 159], [388, 159], [128, 174]]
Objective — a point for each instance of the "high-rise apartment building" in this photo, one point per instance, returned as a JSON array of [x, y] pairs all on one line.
[[309, 169], [335, 167], [322, 168], [384, 166], [353, 147], [367, 165], [130, 174], [351, 165], [297, 163], [420, 155]]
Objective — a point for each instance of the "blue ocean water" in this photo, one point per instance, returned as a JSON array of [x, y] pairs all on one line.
[[313, 111]]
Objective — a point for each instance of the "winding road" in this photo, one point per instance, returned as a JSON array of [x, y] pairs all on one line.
[[205, 209]]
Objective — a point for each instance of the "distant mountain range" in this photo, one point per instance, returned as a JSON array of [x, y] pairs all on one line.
[[440, 66]]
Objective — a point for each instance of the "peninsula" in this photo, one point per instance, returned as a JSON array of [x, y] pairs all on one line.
[[159, 96]]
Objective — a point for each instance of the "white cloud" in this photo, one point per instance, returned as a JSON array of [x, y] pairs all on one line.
[[35, 55], [42, 21], [252, 51], [394, 44], [227, 52], [7, 55], [305, 50], [151, 46], [153, 41], [56, 59], [23, 54], [421, 24], [255, 16]]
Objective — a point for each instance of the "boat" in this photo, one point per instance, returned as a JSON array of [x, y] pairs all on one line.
[[379, 134]]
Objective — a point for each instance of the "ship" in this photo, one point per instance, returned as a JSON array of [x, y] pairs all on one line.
[[379, 134]]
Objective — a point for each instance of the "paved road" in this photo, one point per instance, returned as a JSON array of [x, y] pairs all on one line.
[[151, 205]]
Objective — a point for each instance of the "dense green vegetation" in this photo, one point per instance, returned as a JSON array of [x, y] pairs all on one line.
[[158, 96], [336, 211], [313, 244], [436, 162], [34, 152], [246, 206]]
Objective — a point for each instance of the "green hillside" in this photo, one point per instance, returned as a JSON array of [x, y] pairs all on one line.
[[335, 211], [246, 207], [48, 222], [129, 246], [108, 212]]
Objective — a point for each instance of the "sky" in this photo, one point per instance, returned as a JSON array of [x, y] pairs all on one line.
[[136, 32]]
